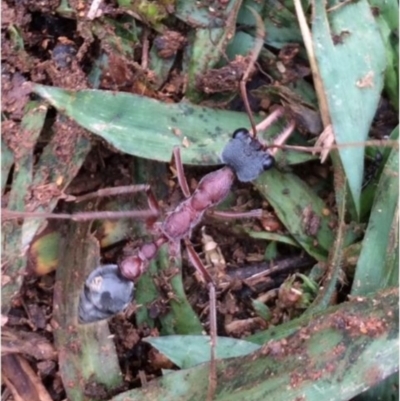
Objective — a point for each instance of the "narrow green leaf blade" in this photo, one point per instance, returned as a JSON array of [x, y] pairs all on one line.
[[376, 264]]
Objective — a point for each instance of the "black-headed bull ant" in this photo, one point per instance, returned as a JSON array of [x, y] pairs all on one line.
[[109, 288]]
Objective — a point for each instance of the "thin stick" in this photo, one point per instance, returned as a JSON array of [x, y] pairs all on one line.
[[371, 143], [212, 376], [145, 49], [198, 264], [258, 45], [243, 93]]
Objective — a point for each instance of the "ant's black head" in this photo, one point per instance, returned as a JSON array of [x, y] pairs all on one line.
[[105, 293], [245, 156]]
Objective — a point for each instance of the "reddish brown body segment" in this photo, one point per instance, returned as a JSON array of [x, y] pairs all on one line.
[[212, 189]]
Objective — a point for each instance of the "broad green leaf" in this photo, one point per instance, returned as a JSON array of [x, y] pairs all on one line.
[[160, 66], [386, 390], [189, 351], [148, 128], [334, 264], [351, 60], [43, 253]]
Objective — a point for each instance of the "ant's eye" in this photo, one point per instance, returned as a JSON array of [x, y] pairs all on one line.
[[240, 133], [268, 162]]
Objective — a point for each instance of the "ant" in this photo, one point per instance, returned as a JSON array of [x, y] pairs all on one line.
[[245, 158]]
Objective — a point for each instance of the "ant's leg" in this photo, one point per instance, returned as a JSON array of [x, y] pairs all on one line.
[[259, 43], [198, 264], [275, 115], [80, 216], [153, 206], [281, 138], [180, 173], [127, 189], [150, 214]]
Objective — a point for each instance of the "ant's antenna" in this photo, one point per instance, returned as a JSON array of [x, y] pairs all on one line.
[[259, 43]]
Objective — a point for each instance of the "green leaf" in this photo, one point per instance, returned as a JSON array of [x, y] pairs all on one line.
[[208, 46], [188, 351], [12, 240], [301, 211], [148, 128], [368, 194], [31, 126], [351, 60], [386, 14], [377, 262], [339, 354], [180, 318], [195, 14], [95, 360], [279, 19], [53, 169], [262, 310], [275, 237]]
